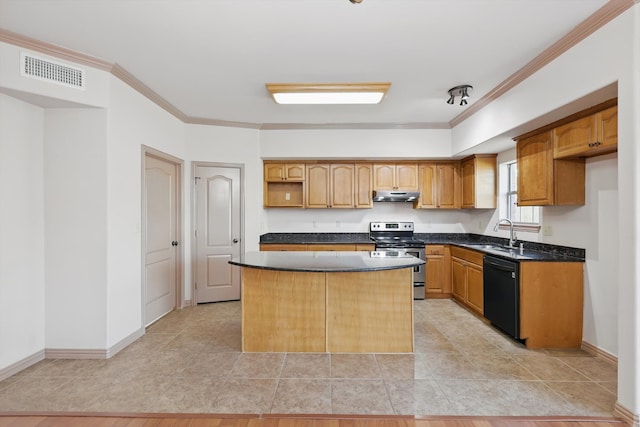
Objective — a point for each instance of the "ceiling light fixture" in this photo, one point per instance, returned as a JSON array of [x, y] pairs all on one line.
[[356, 1], [462, 91], [328, 93]]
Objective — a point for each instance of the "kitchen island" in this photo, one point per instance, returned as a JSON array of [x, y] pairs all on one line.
[[340, 302]]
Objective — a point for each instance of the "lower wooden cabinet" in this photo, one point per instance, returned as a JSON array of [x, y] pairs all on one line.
[[365, 247], [282, 247], [551, 304], [332, 247], [466, 278], [438, 271]]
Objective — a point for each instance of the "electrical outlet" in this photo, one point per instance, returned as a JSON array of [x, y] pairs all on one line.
[[337, 224], [315, 224], [547, 230], [287, 196], [479, 225]]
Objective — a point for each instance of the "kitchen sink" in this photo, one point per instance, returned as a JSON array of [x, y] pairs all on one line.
[[497, 249]]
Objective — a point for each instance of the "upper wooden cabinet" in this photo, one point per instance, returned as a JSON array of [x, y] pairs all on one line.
[[395, 176], [543, 181], [274, 172], [364, 185], [588, 136], [479, 173], [439, 185], [330, 186], [283, 185]]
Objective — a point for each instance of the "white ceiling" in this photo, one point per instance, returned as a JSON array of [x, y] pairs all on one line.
[[211, 58]]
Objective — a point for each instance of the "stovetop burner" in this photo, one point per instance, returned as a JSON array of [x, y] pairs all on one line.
[[393, 235]]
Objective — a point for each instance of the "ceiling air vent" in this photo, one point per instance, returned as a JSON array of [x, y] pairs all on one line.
[[50, 71]]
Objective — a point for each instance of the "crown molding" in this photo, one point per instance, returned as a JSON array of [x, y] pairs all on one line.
[[54, 50], [587, 27], [136, 84], [225, 123], [305, 126]]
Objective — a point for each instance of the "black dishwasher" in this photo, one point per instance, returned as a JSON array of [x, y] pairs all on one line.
[[502, 294]]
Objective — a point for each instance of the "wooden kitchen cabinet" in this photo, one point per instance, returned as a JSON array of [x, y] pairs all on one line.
[[551, 304], [438, 271], [588, 136], [274, 172], [283, 185], [458, 279], [365, 247], [479, 181], [330, 186], [466, 278], [332, 247], [543, 180], [439, 185], [395, 176], [364, 185], [282, 247]]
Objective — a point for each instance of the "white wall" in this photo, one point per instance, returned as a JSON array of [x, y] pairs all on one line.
[[355, 144], [357, 220], [21, 231], [133, 121], [75, 192]]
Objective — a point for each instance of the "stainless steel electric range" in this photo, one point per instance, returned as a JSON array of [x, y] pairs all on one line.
[[398, 236]]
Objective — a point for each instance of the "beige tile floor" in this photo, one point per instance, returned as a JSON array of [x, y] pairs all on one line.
[[190, 361]]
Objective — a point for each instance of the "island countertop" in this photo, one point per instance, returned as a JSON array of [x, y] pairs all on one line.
[[326, 261]]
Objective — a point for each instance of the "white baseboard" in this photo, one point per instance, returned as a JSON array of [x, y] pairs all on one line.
[[71, 353], [597, 351], [124, 343], [21, 365], [627, 416]]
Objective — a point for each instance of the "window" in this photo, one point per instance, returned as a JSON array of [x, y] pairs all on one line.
[[525, 218]]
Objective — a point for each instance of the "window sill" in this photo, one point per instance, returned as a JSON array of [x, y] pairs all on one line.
[[520, 226]]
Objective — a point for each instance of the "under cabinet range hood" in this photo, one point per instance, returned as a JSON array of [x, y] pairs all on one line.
[[395, 196]]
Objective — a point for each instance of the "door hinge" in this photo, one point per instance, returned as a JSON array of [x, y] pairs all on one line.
[[195, 233], [196, 285], [196, 179]]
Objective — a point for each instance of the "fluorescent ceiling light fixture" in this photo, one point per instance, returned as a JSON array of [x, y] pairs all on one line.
[[328, 93]]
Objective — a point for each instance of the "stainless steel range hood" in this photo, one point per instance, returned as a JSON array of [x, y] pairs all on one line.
[[395, 196]]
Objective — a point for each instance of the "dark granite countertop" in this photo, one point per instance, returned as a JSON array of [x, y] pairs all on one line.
[[324, 262], [315, 238], [533, 251]]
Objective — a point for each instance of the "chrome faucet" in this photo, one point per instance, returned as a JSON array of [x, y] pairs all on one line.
[[512, 235]]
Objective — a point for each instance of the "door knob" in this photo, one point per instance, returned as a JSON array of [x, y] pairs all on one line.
[[174, 243], [235, 240]]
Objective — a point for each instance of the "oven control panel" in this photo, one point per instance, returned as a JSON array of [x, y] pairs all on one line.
[[391, 226]]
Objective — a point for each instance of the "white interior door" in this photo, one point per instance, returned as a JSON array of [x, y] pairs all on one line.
[[218, 231], [160, 279]]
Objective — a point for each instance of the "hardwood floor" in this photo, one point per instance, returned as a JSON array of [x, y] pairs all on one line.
[[191, 420]]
